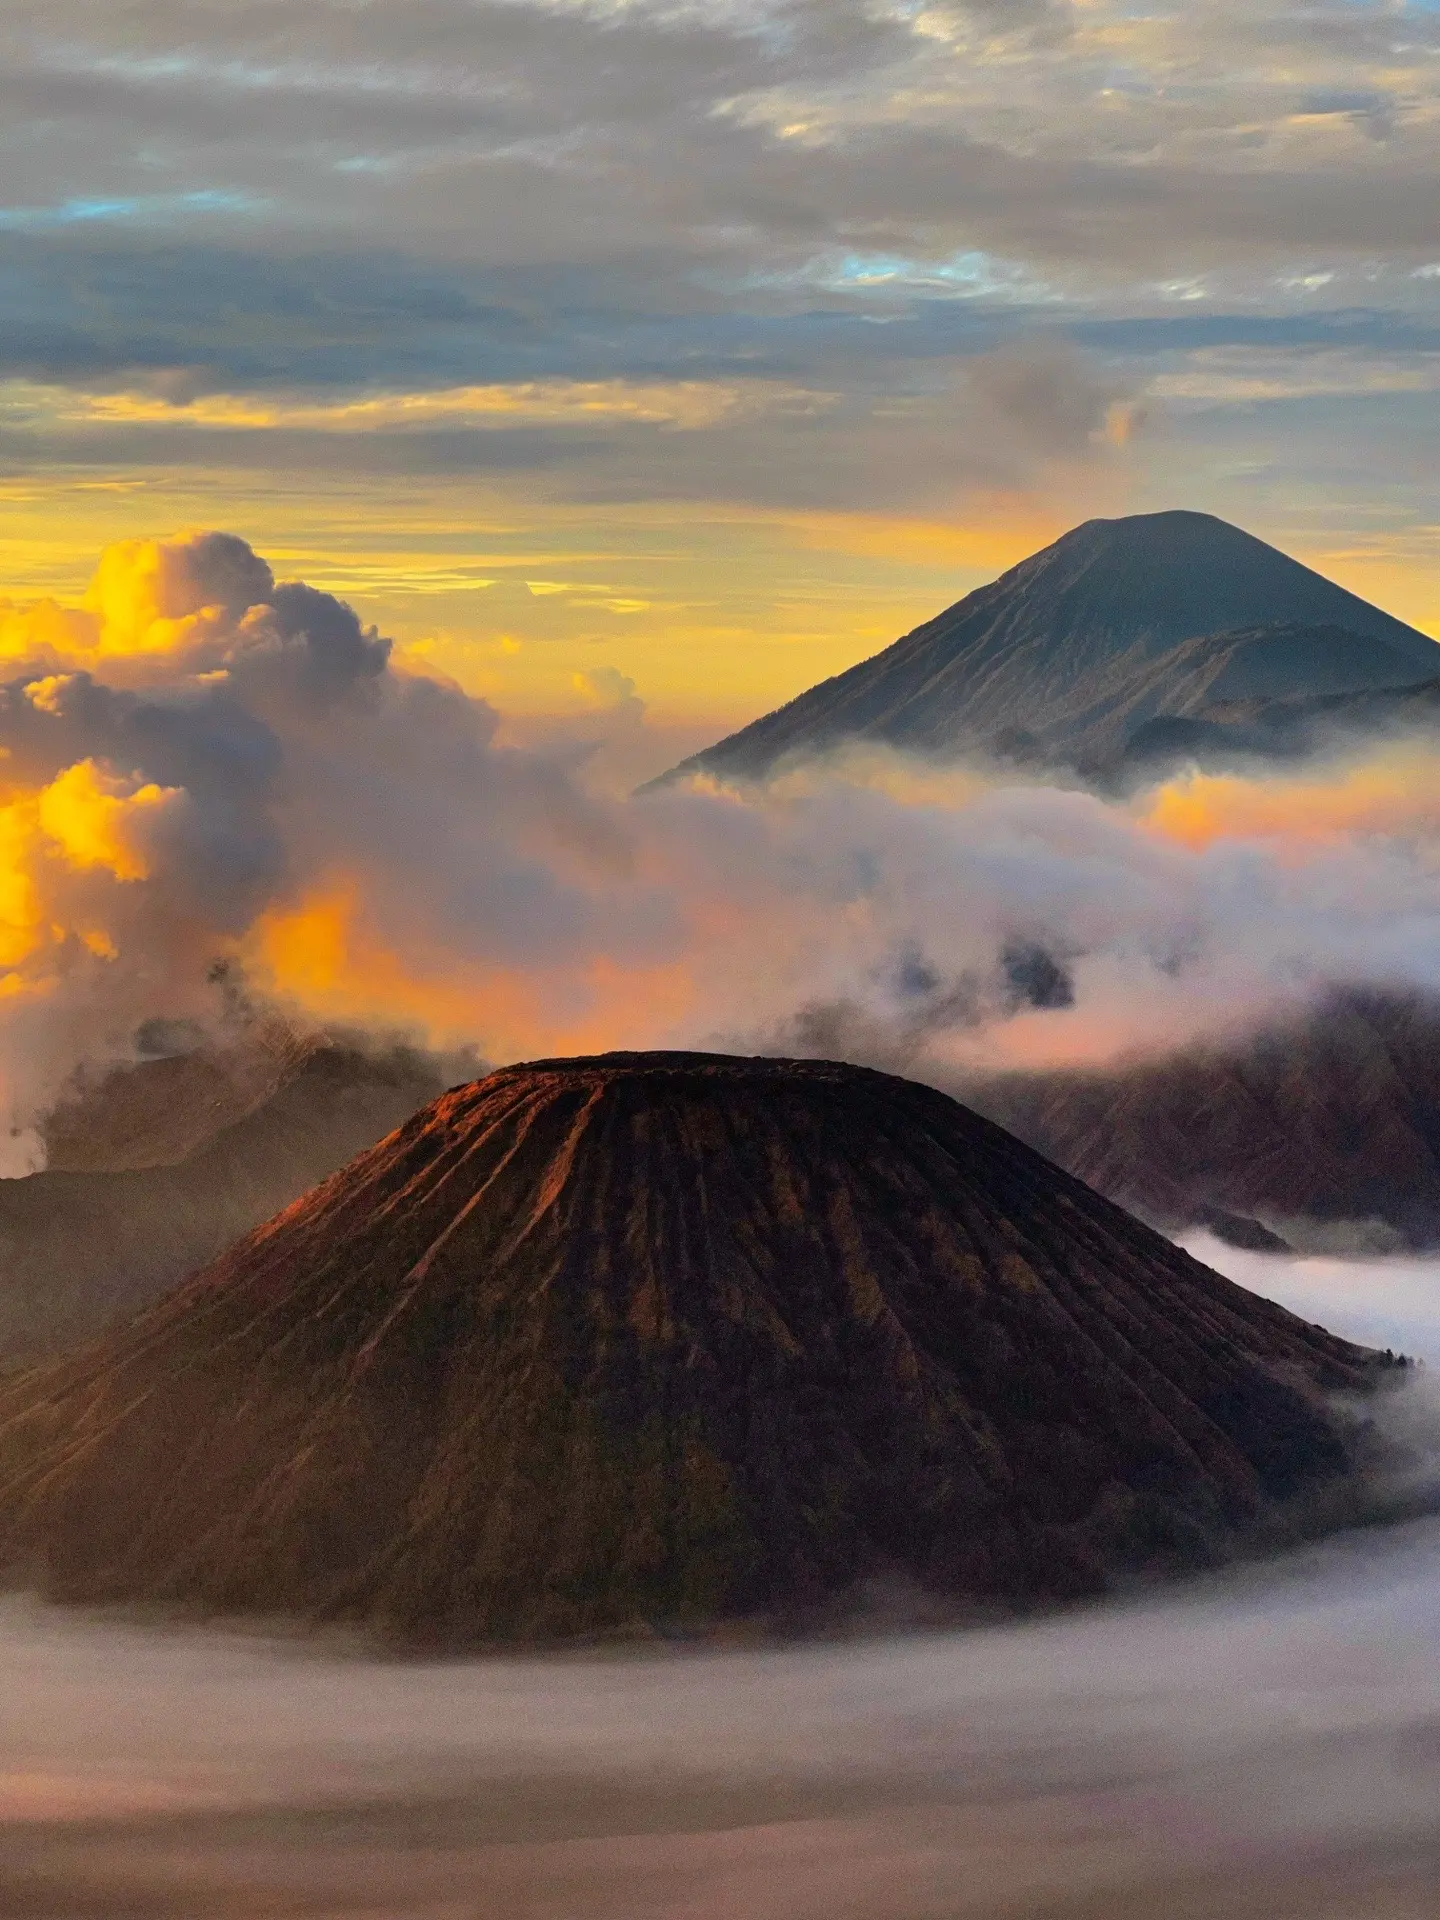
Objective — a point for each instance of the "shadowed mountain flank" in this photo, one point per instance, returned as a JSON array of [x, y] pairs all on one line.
[[156, 1110], [162, 1165], [1065, 656], [1326, 1127], [669, 1339], [1225, 732]]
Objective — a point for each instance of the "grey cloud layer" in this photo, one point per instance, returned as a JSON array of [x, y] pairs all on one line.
[[851, 197], [1002, 419], [514, 131]]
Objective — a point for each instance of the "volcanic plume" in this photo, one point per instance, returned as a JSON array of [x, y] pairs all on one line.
[[665, 1339]]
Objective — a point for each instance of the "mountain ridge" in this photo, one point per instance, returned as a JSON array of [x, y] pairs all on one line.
[[1324, 1127]]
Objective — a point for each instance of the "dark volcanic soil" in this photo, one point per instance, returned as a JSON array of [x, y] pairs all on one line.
[[670, 1338]]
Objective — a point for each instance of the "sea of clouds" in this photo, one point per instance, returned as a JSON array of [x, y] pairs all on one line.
[[1263, 1743]]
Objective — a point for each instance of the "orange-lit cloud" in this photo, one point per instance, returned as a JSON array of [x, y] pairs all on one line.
[[100, 819], [1393, 793], [87, 821], [688, 405], [323, 960], [152, 605]]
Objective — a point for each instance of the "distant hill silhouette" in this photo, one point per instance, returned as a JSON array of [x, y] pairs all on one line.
[[1065, 656], [158, 1167], [662, 1339], [154, 1110], [1325, 1127]]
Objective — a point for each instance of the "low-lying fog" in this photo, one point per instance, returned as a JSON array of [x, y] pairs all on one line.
[[1263, 1745]]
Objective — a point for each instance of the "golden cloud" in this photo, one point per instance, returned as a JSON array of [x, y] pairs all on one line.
[[687, 405]]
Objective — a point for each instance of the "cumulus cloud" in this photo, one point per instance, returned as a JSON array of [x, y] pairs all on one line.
[[200, 606], [609, 690]]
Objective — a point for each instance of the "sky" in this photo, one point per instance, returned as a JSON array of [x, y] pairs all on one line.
[[420, 424], [605, 349]]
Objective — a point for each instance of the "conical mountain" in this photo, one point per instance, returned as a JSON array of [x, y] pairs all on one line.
[[671, 1338], [1070, 652]]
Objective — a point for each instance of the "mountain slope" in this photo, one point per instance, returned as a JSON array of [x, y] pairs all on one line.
[[1226, 732], [1057, 657], [669, 1338], [1326, 1128], [1218, 676], [154, 1111], [84, 1242]]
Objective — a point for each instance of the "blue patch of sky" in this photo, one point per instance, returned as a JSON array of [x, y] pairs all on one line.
[[969, 275], [966, 273], [88, 211]]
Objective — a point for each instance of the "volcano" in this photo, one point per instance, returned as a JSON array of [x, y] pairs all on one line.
[[666, 1339], [1069, 655]]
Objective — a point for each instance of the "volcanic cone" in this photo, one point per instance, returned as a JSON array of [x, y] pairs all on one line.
[[667, 1339]]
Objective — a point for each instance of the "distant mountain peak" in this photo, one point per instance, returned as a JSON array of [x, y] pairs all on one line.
[[1171, 535], [1092, 637], [1162, 529]]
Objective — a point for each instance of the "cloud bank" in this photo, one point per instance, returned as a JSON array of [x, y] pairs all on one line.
[[216, 783]]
